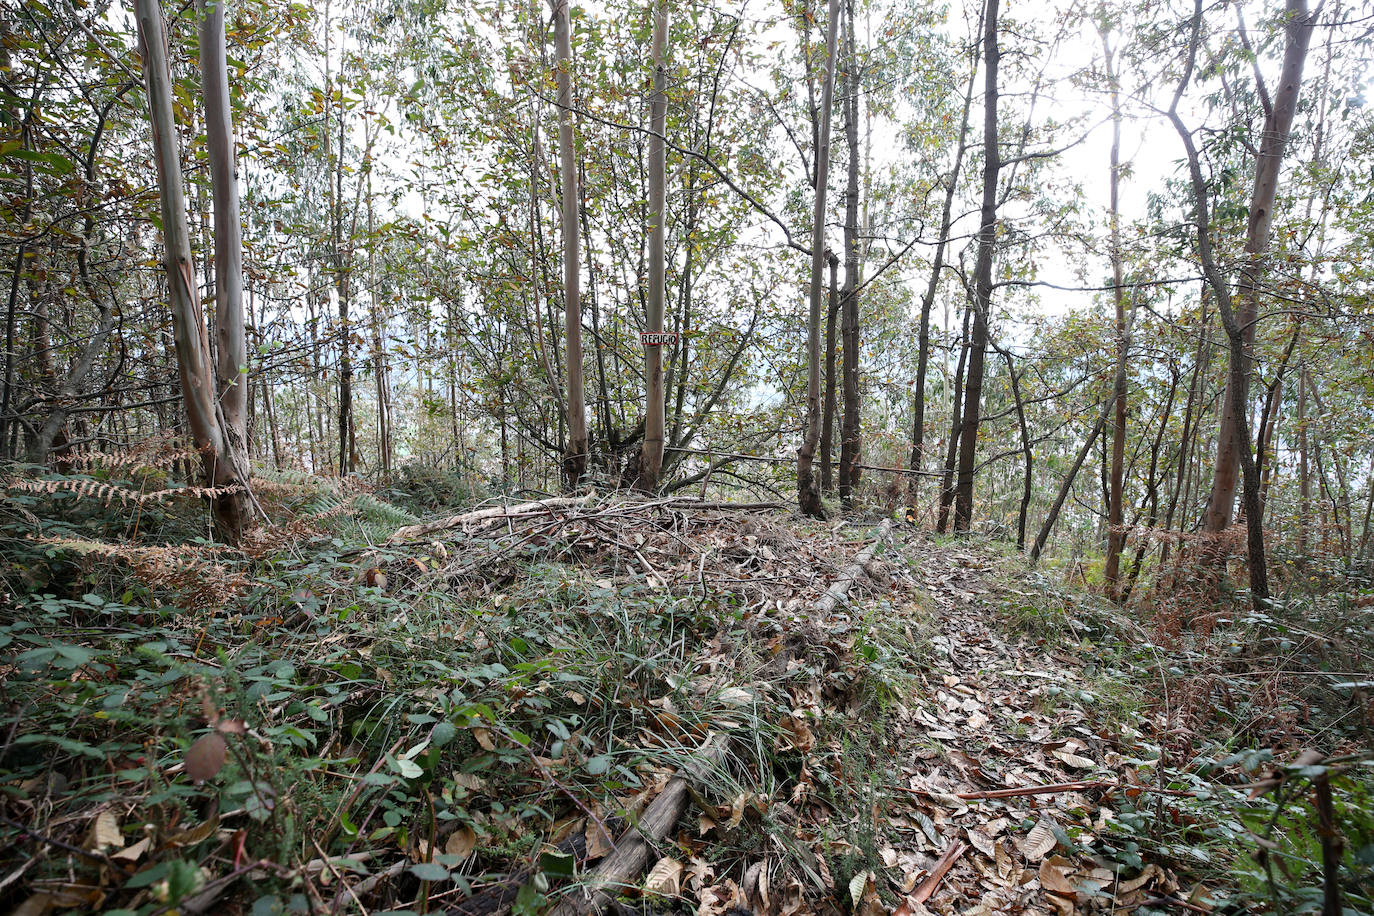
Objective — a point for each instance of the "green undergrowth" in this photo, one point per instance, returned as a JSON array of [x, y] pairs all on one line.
[[1215, 713], [322, 708]]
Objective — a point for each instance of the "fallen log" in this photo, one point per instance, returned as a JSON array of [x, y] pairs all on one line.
[[491, 513], [852, 573], [620, 870]]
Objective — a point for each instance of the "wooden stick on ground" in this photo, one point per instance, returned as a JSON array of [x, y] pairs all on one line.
[[412, 532], [620, 870], [852, 573], [937, 874]]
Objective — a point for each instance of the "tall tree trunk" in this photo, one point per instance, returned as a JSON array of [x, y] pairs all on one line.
[[1237, 431], [1304, 473], [850, 430], [576, 455], [1065, 486], [1116, 532], [918, 424], [982, 280], [651, 461], [221, 454], [1153, 479], [1277, 123], [1024, 429], [808, 493], [828, 420], [956, 417], [379, 366]]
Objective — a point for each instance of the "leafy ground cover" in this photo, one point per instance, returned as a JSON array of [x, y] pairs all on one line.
[[336, 719]]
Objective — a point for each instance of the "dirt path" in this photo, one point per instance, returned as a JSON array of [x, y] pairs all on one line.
[[1002, 712]]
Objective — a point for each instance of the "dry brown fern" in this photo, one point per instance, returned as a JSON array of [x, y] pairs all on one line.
[[160, 452], [108, 492], [197, 581]]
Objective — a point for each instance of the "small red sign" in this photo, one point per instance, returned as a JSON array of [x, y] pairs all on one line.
[[657, 338]]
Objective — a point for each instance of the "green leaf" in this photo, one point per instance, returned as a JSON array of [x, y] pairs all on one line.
[[443, 733], [598, 765], [429, 871], [408, 769], [558, 864]]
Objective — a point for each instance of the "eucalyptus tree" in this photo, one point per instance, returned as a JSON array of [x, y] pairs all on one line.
[[982, 276], [1115, 532], [1273, 137], [808, 492], [850, 431], [577, 450], [652, 461], [937, 268], [222, 452]]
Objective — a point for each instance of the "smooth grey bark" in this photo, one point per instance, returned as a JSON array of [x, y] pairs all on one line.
[[918, 424], [225, 464], [1116, 532]]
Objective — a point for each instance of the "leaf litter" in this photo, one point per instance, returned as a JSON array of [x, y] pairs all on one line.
[[975, 797]]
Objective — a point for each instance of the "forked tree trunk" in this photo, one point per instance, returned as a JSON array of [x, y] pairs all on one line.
[[221, 448], [982, 280], [1277, 124], [1299, 31], [808, 493], [576, 455], [651, 460], [956, 417]]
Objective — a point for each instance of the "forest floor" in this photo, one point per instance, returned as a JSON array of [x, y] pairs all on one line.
[[363, 712]]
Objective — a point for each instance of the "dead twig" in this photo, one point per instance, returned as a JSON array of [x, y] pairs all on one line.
[[937, 874]]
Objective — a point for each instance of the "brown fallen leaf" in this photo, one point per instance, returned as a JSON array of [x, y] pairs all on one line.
[[599, 842], [206, 757], [665, 878], [193, 835], [795, 735], [755, 887], [1140, 880], [1054, 877], [1039, 841], [980, 841], [132, 853], [461, 842], [104, 833], [1077, 761]]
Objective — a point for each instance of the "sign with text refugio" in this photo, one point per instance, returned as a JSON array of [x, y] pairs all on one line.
[[657, 338]]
